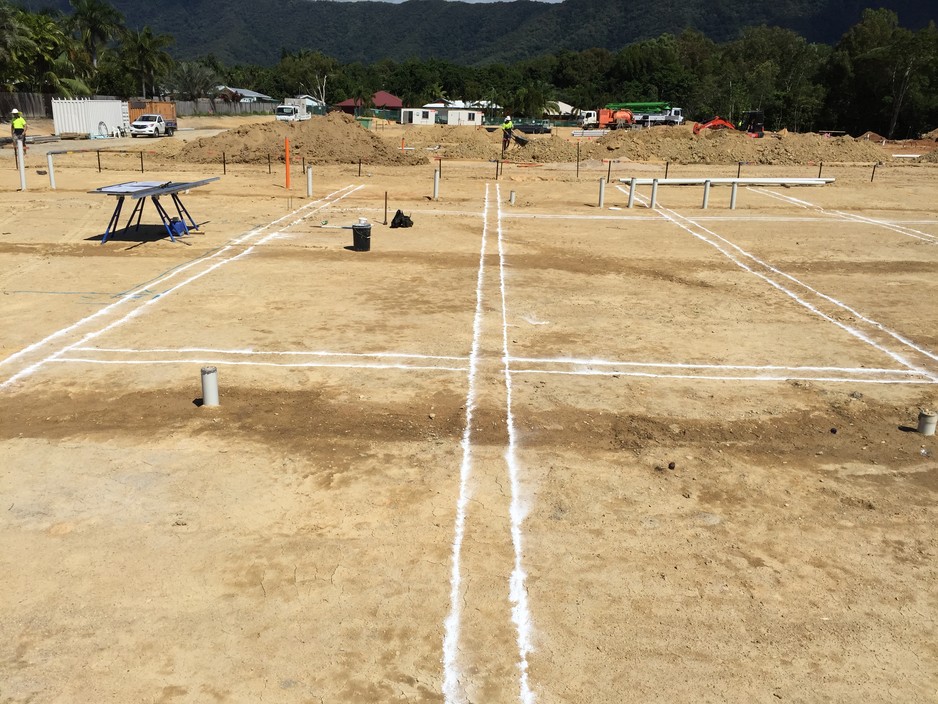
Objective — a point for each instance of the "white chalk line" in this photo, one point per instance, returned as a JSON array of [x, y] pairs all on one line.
[[676, 218], [134, 295], [452, 689], [869, 321], [582, 366], [717, 377], [851, 217], [691, 365], [255, 363], [299, 353], [518, 591]]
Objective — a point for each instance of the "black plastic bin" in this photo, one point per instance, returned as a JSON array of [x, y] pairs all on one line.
[[361, 237]]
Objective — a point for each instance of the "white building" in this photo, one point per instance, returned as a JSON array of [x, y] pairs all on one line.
[[418, 116], [458, 112]]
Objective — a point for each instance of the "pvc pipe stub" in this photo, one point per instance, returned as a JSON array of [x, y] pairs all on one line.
[[927, 420], [209, 386]]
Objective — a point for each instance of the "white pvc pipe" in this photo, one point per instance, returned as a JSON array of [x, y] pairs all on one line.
[[21, 160], [602, 192], [706, 195], [632, 183], [733, 196], [209, 386], [927, 422], [511, 197], [654, 193], [436, 185], [51, 171], [309, 181]]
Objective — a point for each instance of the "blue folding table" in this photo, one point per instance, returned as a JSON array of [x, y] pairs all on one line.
[[140, 191]]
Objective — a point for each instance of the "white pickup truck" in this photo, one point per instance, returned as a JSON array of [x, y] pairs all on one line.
[[151, 125]]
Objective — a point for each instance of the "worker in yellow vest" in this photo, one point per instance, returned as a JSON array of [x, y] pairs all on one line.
[[18, 128]]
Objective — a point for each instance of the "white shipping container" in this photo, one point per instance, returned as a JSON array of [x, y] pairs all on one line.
[[95, 118]]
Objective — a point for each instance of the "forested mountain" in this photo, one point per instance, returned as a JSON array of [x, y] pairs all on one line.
[[260, 31]]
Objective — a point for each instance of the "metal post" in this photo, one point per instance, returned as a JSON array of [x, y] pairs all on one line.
[[706, 196], [654, 193], [436, 185], [667, 167], [632, 192], [873, 175], [385, 207], [441, 167], [286, 161], [309, 182], [20, 160], [739, 168], [51, 171], [99, 161], [819, 169], [578, 160], [141, 162], [609, 172], [602, 193], [733, 195], [268, 164], [496, 169], [359, 168], [224, 163], [209, 386]]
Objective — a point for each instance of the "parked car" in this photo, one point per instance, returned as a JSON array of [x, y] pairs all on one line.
[[150, 125], [533, 128]]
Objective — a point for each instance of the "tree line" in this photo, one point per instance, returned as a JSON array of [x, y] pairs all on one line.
[[879, 76]]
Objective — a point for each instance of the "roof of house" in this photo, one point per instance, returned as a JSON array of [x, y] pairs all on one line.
[[245, 93], [461, 105], [381, 99]]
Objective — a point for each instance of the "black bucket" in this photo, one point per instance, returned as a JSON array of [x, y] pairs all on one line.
[[361, 237]]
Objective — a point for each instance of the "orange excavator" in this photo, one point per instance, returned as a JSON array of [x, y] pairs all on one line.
[[752, 122]]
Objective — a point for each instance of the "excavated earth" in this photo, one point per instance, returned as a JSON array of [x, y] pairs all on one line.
[[338, 138]]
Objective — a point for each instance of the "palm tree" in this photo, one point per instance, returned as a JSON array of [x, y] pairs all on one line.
[[144, 54], [192, 80], [51, 69], [15, 45], [96, 22]]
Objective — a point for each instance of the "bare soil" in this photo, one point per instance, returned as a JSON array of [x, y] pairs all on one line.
[[685, 436]]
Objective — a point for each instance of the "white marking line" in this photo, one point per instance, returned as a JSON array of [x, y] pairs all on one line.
[[689, 365], [452, 691], [299, 353], [86, 360], [133, 295], [715, 377], [869, 321], [518, 593], [851, 217], [676, 218]]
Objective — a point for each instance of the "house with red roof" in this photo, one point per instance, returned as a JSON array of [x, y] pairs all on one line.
[[382, 100]]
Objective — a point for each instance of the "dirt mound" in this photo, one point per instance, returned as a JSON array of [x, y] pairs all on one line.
[[680, 145], [931, 135], [335, 138]]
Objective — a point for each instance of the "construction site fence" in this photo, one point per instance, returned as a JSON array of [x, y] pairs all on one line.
[[206, 106]]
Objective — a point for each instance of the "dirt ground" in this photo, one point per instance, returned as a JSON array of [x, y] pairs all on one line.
[[529, 449]]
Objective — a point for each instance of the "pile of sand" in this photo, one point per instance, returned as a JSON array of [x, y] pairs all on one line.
[[675, 144], [338, 139], [931, 135], [335, 138], [680, 145]]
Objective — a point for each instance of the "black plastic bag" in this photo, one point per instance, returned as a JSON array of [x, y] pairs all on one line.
[[401, 220]]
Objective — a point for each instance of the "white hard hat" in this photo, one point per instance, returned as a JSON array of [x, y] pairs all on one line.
[[507, 118], [15, 111]]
